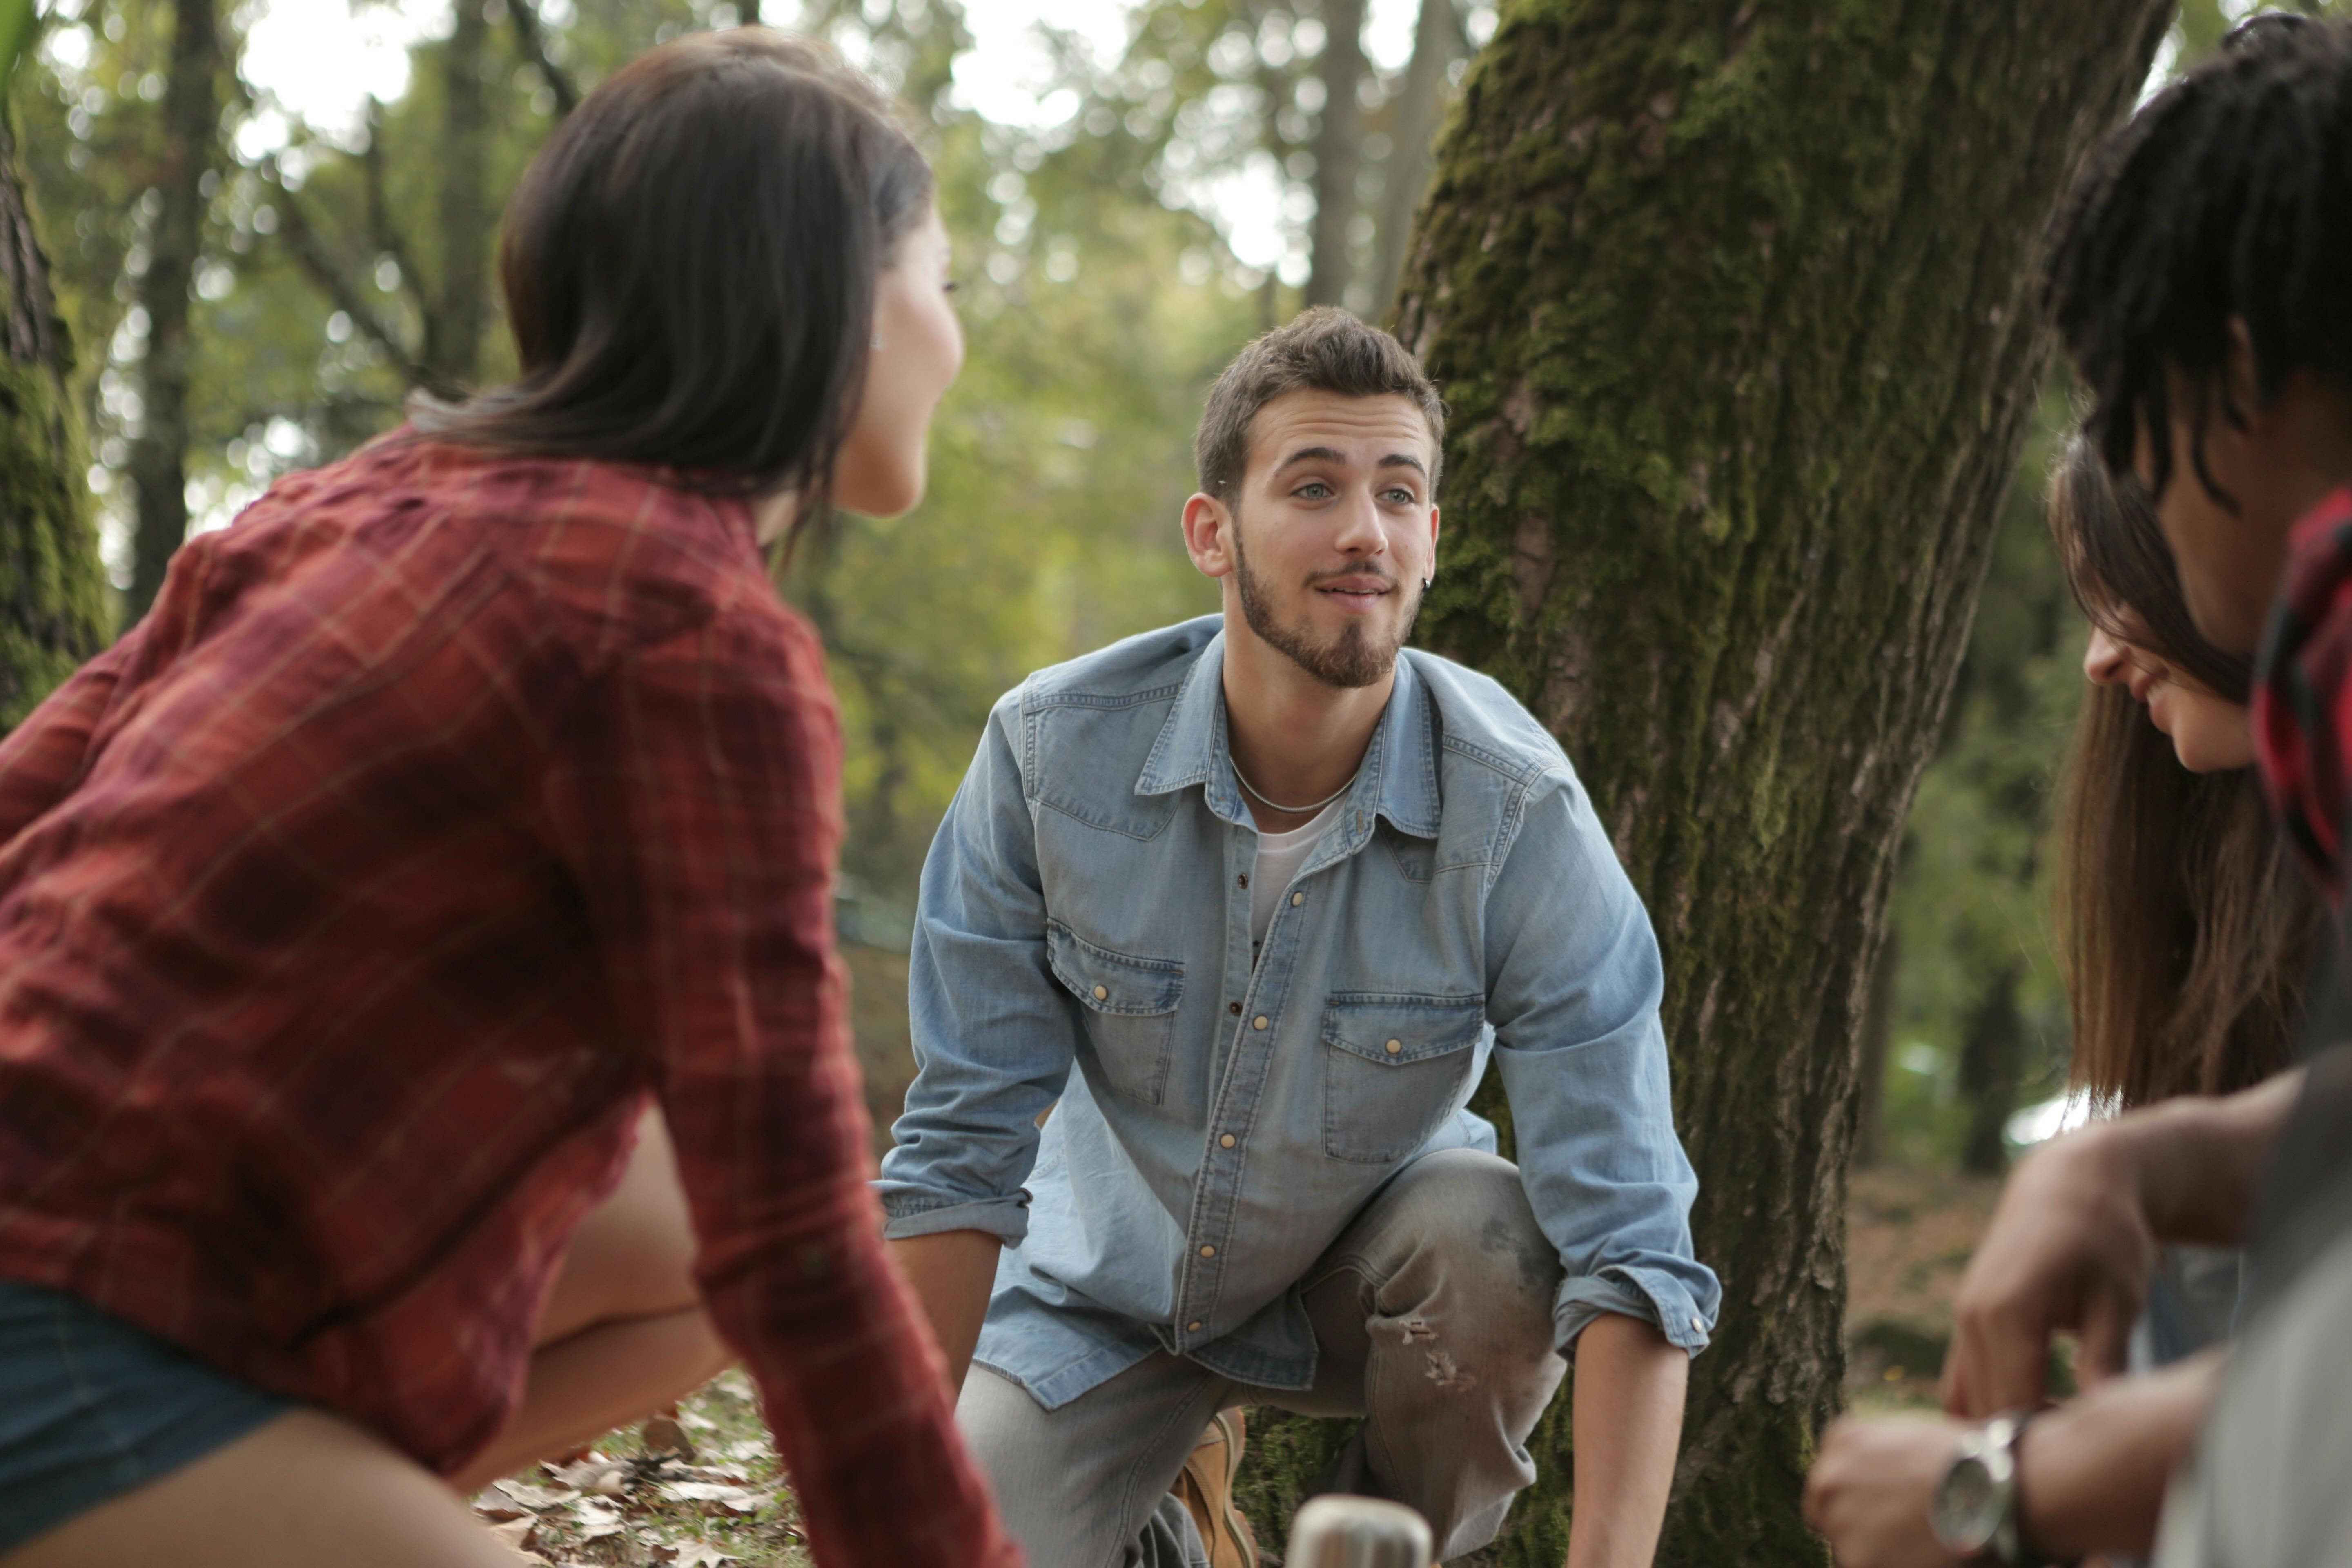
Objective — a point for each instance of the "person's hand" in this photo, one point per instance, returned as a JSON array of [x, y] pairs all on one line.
[[2070, 1248], [1870, 1490]]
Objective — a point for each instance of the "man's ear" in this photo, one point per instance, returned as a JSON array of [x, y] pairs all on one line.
[[1209, 534]]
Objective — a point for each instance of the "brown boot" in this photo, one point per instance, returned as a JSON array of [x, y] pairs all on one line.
[[1206, 1487]]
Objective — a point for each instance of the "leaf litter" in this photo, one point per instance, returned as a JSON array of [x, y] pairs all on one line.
[[699, 1488]]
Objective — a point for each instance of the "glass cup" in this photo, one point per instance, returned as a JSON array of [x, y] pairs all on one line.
[[1340, 1531]]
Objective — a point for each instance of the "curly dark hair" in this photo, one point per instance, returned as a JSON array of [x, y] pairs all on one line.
[[2227, 198]]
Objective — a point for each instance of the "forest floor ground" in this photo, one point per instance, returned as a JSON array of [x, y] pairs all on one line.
[[706, 1490]]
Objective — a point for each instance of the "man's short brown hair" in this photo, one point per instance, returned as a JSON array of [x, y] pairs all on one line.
[[1324, 350]]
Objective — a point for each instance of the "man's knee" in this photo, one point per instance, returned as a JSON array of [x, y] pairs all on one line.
[[1466, 1218]]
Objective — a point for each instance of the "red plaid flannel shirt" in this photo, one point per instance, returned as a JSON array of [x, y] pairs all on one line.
[[441, 807], [2303, 691]]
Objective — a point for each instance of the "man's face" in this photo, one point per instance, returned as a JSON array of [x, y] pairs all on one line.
[[1331, 532], [2273, 463], [2228, 571]]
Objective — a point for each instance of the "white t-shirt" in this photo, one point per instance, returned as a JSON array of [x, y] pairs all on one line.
[[1279, 856]]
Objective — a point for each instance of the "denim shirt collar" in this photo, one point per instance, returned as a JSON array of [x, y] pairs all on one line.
[[1398, 780]]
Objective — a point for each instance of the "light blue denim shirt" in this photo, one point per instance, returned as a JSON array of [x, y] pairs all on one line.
[[1087, 904]]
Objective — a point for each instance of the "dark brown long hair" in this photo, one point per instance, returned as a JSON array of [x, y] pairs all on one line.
[[689, 267], [2185, 927]]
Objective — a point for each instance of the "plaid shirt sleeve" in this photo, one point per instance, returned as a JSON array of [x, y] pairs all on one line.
[[2303, 691], [699, 805], [44, 755]]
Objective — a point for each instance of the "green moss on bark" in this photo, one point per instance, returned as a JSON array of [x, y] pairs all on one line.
[[53, 604], [1733, 302]]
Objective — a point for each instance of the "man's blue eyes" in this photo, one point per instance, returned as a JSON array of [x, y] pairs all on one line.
[[1318, 491]]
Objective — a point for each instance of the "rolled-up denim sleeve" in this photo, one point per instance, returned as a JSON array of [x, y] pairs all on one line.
[[993, 1033], [1573, 987]]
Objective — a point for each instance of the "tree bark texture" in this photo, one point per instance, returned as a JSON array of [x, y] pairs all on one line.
[[158, 460], [53, 609], [1734, 303], [454, 349], [1338, 151]]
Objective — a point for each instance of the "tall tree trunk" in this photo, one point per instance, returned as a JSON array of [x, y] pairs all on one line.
[[1877, 1047], [1338, 151], [1436, 45], [53, 609], [455, 347], [1736, 309], [1992, 1064], [158, 461]]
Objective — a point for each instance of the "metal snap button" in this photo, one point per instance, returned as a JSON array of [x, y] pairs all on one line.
[[1226, 1141], [1194, 1327], [1297, 899], [1698, 1322], [1394, 1046], [1102, 993], [1208, 1252], [1258, 1022], [1234, 1008]]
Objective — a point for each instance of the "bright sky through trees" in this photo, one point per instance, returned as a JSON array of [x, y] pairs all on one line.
[[318, 60]]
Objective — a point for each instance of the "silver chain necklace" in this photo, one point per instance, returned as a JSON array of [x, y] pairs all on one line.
[[1265, 799]]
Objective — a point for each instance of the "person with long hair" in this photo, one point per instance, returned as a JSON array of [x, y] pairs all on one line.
[[461, 801], [2186, 930]]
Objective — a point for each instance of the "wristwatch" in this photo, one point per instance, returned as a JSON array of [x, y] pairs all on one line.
[[1975, 1510]]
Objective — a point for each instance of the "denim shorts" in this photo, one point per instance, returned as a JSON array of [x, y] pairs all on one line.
[[92, 1407]]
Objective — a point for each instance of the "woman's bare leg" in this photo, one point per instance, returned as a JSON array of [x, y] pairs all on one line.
[[305, 1488], [623, 1332]]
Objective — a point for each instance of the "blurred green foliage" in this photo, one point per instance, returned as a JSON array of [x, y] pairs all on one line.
[[1100, 297]]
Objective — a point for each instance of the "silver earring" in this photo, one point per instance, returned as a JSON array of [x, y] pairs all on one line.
[[1425, 581]]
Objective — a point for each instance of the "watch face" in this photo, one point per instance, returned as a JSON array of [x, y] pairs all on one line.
[[1968, 1507]]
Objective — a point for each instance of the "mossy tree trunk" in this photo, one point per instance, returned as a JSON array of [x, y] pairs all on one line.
[[53, 608], [1733, 302]]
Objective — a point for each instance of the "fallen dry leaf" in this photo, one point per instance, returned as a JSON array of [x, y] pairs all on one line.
[[734, 1499], [524, 1495], [703, 1554], [589, 1468], [515, 1533], [597, 1518], [664, 1434]]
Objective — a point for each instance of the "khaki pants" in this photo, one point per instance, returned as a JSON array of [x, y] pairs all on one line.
[[1433, 1317]]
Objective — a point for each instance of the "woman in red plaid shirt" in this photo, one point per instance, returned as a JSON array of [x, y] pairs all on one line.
[[461, 801]]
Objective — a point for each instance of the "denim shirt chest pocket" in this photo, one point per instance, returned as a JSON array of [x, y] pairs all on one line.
[[1393, 1067], [1130, 1006]]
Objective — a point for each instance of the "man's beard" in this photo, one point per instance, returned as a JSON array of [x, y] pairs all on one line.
[[1349, 660]]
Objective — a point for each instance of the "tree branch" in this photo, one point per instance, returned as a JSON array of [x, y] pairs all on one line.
[[383, 231], [533, 39], [296, 231]]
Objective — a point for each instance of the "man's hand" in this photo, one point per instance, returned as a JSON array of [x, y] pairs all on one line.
[[2073, 1240], [1870, 1490], [950, 1274], [2090, 1474], [2070, 1247]]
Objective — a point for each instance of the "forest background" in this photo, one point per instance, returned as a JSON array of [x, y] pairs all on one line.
[[250, 293], [1161, 204]]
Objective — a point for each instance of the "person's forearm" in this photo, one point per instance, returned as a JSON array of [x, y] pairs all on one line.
[[2092, 1473], [2197, 1162], [1629, 1422], [950, 1274]]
